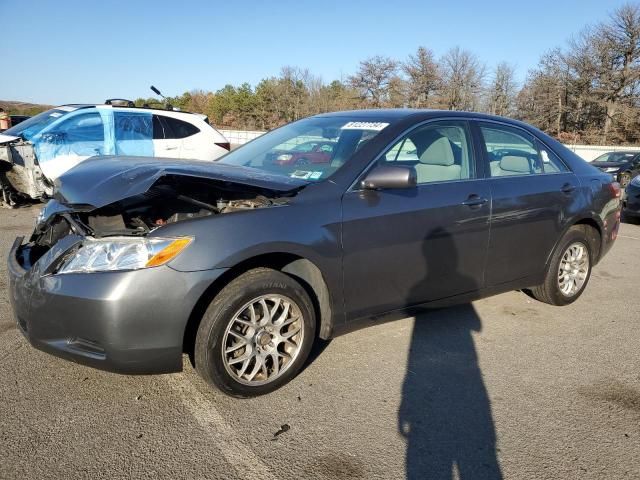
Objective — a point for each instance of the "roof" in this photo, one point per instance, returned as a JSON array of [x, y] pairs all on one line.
[[91, 105], [397, 114], [401, 113]]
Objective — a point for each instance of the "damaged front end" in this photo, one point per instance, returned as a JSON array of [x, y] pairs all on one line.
[[21, 177], [91, 284], [171, 199]]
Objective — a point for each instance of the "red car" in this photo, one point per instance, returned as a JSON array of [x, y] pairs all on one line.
[[304, 154]]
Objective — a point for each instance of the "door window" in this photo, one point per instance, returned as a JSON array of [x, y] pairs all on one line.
[[551, 163], [79, 136], [439, 152], [133, 133], [159, 128], [82, 128], [510, 151]]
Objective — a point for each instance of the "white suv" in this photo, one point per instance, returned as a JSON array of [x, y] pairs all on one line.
[[67, 135]]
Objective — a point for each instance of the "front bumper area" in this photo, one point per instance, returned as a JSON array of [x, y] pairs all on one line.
[[124, 322]]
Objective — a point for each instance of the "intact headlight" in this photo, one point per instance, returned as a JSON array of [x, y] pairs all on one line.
[[611, 169], [285, 157], [636, 181], [123, 253]]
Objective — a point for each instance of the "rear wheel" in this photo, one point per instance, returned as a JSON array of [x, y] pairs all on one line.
[[569, 270], [256, 334]]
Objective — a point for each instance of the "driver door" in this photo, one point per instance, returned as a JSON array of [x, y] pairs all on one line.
[[404, 247]]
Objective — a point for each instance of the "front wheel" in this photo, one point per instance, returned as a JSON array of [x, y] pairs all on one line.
[[569, 270], [256, 334]]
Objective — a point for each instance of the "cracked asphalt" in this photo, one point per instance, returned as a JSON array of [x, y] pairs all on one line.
[[503, 388]]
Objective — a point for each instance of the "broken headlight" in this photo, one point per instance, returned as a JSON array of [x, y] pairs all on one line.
[[121, 253]]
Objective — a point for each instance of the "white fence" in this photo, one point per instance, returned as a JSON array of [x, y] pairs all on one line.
[[240, 137], [588, 152]]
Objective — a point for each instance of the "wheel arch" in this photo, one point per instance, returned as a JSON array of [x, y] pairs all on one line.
[[595, 235], [300, 268], [596, 239]]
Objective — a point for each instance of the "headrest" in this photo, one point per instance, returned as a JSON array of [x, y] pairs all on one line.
[[438, 153], [513, 163]]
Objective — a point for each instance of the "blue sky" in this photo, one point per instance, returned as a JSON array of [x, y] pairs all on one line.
[[69, 51]]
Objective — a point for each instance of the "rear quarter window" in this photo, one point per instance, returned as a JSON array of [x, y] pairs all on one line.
[[177, 128]]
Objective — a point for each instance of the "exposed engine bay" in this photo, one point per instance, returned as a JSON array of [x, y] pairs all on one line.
[[172, 199], [20, 174]]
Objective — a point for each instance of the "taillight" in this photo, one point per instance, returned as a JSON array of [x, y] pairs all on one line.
[[614, 188], [225, 145]]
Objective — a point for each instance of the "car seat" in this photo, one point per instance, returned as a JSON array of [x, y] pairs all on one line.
[[438, 162]]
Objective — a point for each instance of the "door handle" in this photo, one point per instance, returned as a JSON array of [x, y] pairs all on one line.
[[170, 148], [567, 188], [475, 201]]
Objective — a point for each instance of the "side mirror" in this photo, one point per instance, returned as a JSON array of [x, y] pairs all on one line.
[[390, 177]]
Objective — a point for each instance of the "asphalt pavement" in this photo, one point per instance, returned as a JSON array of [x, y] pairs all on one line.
[[505, 387]]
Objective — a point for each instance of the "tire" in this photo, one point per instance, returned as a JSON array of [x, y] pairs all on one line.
[[625, 178], [235, 327], [551, 291]]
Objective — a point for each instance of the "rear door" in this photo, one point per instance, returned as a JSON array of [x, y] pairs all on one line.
[[404, 247], [532, 192], [165, 141], [133, 133]]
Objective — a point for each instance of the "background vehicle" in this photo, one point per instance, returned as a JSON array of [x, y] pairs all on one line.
[[59, 139], [303, 154], [16, 119], [622, 165], [631, 201], [242, 263]]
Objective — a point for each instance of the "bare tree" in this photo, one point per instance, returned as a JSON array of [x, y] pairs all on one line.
[[502, 91], [373, 79], [423, 78], [544, 98], [617, 44], [462, 79]]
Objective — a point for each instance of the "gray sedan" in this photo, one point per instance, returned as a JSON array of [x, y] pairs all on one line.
[[244, 263]]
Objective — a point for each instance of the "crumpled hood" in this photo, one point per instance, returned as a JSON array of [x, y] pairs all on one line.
[[7, 138], [100, 181]]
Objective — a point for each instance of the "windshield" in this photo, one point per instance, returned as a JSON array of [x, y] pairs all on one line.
[[35, 125], [615, 157], [311, 149]]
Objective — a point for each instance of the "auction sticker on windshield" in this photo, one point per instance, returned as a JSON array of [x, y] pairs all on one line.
[[377, 126]]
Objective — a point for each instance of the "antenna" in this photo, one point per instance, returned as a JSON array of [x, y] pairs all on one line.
[[157, 92], [168, 106]]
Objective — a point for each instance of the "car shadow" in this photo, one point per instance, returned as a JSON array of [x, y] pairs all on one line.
[[445, 412]]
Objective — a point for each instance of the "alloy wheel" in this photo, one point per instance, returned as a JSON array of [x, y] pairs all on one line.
[[263, 339], [573, 269]]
